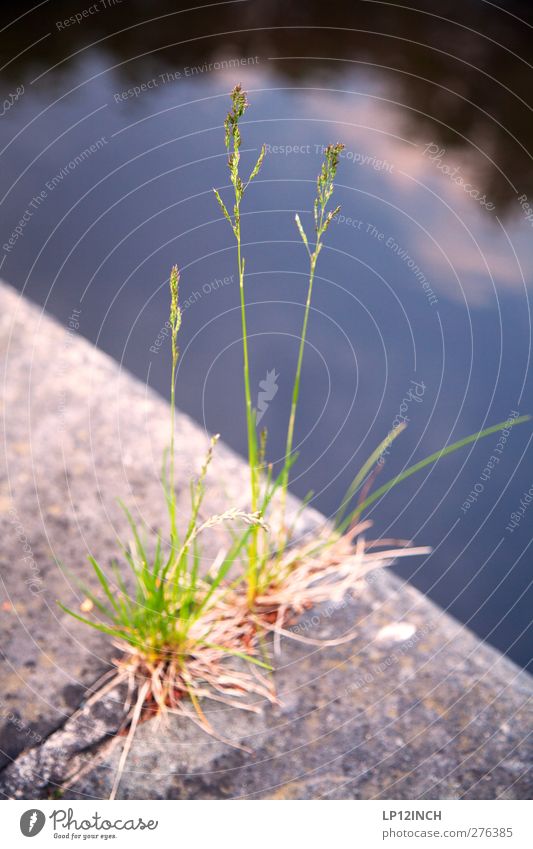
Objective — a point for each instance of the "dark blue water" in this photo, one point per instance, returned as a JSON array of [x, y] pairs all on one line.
[[421, 307]]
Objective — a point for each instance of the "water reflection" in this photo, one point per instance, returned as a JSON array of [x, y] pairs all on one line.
[[421, 284], [463, 78]]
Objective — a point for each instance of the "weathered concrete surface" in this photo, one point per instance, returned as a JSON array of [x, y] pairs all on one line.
[[422, 710]]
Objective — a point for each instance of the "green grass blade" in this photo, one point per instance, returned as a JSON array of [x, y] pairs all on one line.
[[140, 548]]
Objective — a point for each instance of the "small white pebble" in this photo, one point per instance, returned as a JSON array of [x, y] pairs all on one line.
[[396, 632]]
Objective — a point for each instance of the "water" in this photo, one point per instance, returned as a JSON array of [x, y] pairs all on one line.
[[421, 307]]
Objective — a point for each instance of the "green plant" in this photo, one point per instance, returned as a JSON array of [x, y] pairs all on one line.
[[323, 218], [268, 564], [161, 608], [233, 144]]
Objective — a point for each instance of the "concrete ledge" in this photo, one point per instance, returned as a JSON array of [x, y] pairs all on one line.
[[415, 707]]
